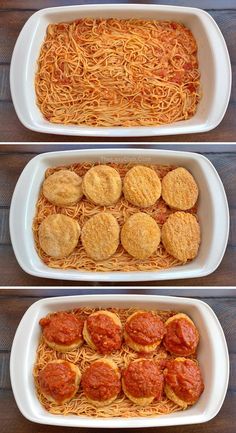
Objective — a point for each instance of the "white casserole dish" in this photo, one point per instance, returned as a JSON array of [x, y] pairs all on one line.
[[213, 58], [212, 211], [212, 355]]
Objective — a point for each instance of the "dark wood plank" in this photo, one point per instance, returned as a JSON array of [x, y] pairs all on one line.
[[203, 293], [10, 171], [5, 94], [11, 24], [5, 382], [226, 22], [26, 4], [13, 131], [35, 148], [4, 227]]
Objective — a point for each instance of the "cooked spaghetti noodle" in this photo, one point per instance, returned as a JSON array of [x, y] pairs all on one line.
[[110, 72], [122, 406], [121, 260]]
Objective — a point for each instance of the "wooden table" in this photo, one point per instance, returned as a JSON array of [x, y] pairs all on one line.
[[14, 158], [14, 304], [13, 15]]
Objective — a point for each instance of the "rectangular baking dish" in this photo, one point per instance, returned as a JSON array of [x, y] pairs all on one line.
[[212, 354], [213, 58], [213, 213]]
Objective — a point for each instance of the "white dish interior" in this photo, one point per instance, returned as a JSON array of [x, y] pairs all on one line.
[[215, 73], [212, 356], [212, 211]]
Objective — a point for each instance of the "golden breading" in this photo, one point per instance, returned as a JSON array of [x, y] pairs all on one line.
[[78, 375], [58, 235], [179, 189], [181, 236], [140, 235], [100, 236], [142, 186], [63, 188], [102, 185]]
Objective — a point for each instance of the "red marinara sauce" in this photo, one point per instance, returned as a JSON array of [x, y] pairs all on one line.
[[145, 328], [143, 378], [105, 334], [100, 382], [185, 379], [57, 381], [181, 337], [62, 328]]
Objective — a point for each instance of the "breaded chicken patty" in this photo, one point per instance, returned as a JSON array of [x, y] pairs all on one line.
[[142, 186], [140, 235], [179, 189], [63, 188], [100, 236], [59, 235], [181, 236], [102, 185]]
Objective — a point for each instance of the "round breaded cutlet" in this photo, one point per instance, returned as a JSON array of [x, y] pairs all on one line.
[[58, 235], [101, 378], [181, 340], [50, 377], [62, 331], [105, 337], [100, 236], [142, 186], [63, 188], [145, 379], [181, 236], [143, 331], [102, 185], [140, 235], [179, 189], [193, 385]]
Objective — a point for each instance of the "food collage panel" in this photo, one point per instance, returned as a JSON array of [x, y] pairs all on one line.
[[117, 216]]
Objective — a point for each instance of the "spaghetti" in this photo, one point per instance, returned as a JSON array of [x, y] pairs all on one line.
[[83, 357], [121, 260], [110, 72]]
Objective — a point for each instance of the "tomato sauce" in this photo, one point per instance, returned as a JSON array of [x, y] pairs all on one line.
[[62, 328], [57, 381], [100, 382], [181, 337], [185, 379], [145, 328], [144, 379], [105, 334]]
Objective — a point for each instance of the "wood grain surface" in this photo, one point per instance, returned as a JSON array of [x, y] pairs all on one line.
[[14, 303], [14, 158], [13, 15]]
